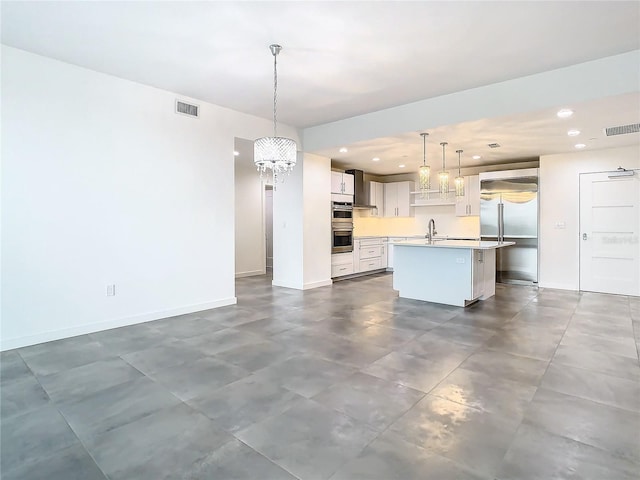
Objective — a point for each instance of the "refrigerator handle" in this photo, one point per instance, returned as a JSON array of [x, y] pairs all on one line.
[[500, 222]]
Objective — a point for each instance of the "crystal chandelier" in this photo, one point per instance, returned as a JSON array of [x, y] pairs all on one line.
[[277, 154], [443, 176], [424, 174], [459, 180]]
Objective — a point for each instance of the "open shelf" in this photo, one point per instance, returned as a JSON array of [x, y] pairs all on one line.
[[434, 203]]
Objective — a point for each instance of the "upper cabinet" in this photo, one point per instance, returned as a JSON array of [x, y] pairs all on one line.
[[376, 198], [342, 183], [469, 204], [397, 199]]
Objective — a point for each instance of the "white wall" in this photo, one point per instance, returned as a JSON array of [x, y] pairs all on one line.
[[103, 183], [559, 249], [443, 215], [288, 228], [317, 221], [302, 225], [249, 208]]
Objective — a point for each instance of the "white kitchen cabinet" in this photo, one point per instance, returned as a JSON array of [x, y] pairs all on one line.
[[342, 183], [356, 255], [341, 264], [383, 253], [390, 250], [397, 199], [368, 254], [376, 198], [469, 204]]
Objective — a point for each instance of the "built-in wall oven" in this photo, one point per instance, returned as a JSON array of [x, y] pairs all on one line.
[[341, 212], [341, 227]]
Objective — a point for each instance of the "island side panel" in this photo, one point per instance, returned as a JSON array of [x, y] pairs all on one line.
[[489, 289], [439, 275]]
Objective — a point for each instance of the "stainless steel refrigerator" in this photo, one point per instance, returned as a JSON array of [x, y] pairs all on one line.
[[509, 212]]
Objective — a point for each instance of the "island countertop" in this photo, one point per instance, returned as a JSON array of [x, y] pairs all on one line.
[[469, 244]]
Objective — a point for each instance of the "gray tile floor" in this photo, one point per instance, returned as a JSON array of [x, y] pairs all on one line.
[[341, 382]]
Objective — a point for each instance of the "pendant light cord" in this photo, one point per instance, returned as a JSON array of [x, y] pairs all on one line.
[[424, 150], [275, 92], [443, 145]]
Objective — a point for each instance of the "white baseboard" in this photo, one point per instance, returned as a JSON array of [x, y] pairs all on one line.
[[278, 283], [251, 273], [18, 342], [322, 283], [558, 286], [304, 286]]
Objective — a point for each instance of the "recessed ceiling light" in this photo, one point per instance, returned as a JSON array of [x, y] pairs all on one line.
[[236, 153], [564, 113], [476, 157], [401, 166], [375, 159], [573, 133], [580, 145], [344, 150]]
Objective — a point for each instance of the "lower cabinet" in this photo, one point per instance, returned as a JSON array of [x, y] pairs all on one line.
[[341, 264], [370, 264], [370, 253], [390, 250], [383, 256]]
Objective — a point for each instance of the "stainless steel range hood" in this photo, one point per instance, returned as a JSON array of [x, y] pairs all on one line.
[[360, 198]]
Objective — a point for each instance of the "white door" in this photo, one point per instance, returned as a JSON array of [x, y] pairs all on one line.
[[390, 199], [337, 185], [348, 184], [472, 192], [404, 199], [609, 233]]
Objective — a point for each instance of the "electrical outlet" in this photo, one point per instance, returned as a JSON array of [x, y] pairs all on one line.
[[111, 290], [561, 225], [460, 260]]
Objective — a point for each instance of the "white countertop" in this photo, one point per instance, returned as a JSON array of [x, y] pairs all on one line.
[[442, 237], [472, 244]]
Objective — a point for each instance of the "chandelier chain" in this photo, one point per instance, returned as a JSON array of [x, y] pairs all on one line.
[[275, 93], [424, 150]]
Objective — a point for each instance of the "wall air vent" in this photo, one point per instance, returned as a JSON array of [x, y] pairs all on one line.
[[622, 129], [187, 109], [493, 145]]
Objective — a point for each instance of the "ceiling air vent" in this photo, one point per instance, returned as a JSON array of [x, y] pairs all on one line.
[[187, 109], [622, 129], [493, 145]]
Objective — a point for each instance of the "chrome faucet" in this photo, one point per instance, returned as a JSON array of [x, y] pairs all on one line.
[[432, 230]]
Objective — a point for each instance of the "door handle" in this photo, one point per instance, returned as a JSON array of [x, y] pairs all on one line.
[[584, 236]]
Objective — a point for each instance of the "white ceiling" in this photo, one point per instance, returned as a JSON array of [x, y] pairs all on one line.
[[521, 138], [343, 59]]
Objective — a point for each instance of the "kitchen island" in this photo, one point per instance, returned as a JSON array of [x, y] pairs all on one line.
[[452, 272]]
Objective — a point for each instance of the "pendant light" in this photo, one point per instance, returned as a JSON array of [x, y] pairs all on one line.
[[424, 174], [459, 180], [443, 176], [274, 155]]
